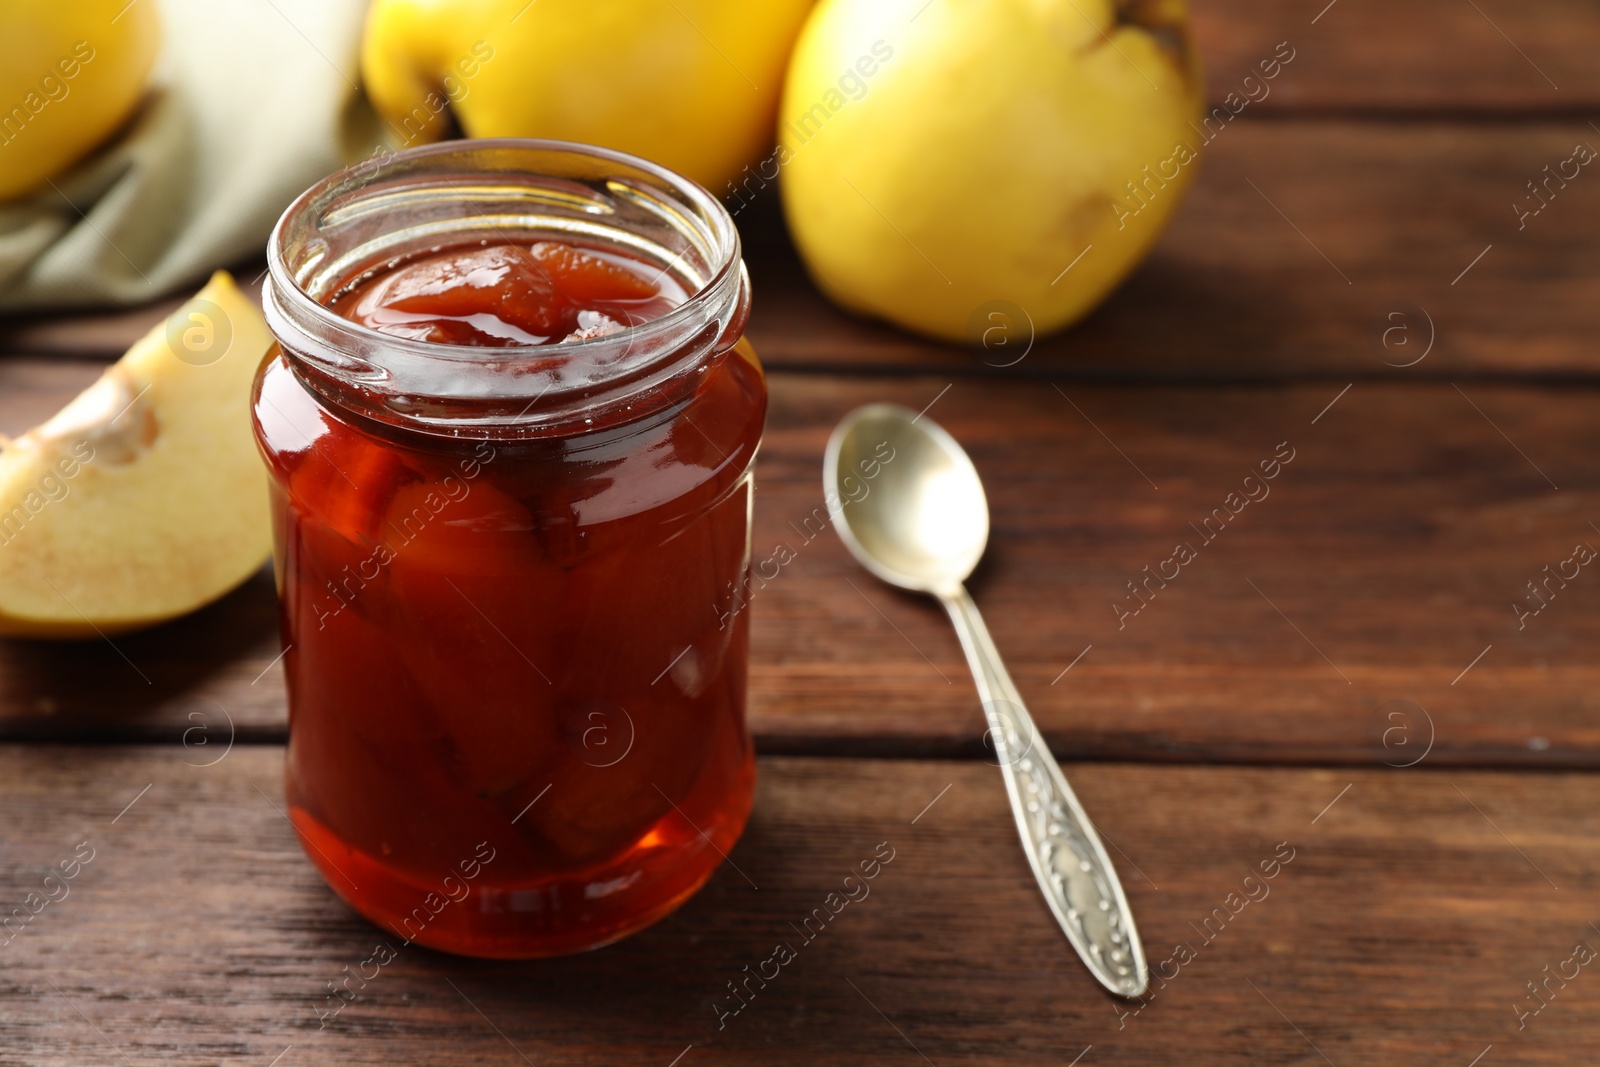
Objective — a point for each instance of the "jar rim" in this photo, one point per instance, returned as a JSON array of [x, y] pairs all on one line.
[[369, 370]]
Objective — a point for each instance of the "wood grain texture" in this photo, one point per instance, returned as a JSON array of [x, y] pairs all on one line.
[[1360, 614], [1394, 545], [1385, 559], [1306, 249], [1485, 58], [1402, 929]]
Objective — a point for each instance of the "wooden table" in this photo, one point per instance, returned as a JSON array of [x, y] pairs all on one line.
[[1338, 678]]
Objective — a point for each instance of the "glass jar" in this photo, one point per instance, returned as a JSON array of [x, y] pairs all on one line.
[[511, 578]]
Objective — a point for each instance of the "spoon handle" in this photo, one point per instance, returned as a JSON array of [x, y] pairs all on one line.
[[1065, 852]]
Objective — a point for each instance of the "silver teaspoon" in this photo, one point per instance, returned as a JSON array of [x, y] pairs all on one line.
[[908, 504]]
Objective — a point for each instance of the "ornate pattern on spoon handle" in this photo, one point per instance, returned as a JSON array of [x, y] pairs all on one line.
[[1065, 852], [1072, 867]]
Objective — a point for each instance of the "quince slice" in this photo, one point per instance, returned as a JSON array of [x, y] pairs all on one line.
[[144, 498]]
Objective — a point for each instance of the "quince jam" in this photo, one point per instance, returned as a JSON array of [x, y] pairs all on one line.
[[516, 687], [502, 295]]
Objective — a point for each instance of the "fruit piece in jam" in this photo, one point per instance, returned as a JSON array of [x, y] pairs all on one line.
[[516, 648], [511, 294]]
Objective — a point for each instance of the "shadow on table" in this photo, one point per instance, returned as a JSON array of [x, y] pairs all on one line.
[[148, 685], [664, 988]]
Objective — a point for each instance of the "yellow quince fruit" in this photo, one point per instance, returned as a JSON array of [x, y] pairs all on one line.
[[145, 497], [942, 159], [70, 74], [690, 84]]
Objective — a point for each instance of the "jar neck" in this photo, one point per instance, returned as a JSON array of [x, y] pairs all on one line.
[[364, 220]]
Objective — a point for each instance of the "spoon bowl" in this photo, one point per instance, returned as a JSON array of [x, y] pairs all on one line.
[[906, 499]]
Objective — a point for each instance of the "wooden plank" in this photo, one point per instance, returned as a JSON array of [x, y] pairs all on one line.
[[1489, 57], [1410, 912], [1306, 249], [1394, 544], [1386, 558]]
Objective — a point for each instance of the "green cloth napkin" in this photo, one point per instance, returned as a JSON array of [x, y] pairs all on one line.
[[251, 102]]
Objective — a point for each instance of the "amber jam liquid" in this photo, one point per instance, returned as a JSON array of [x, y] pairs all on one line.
[[517, 696]]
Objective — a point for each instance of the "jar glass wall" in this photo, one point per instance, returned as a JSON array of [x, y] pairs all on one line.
[[509, 575]]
